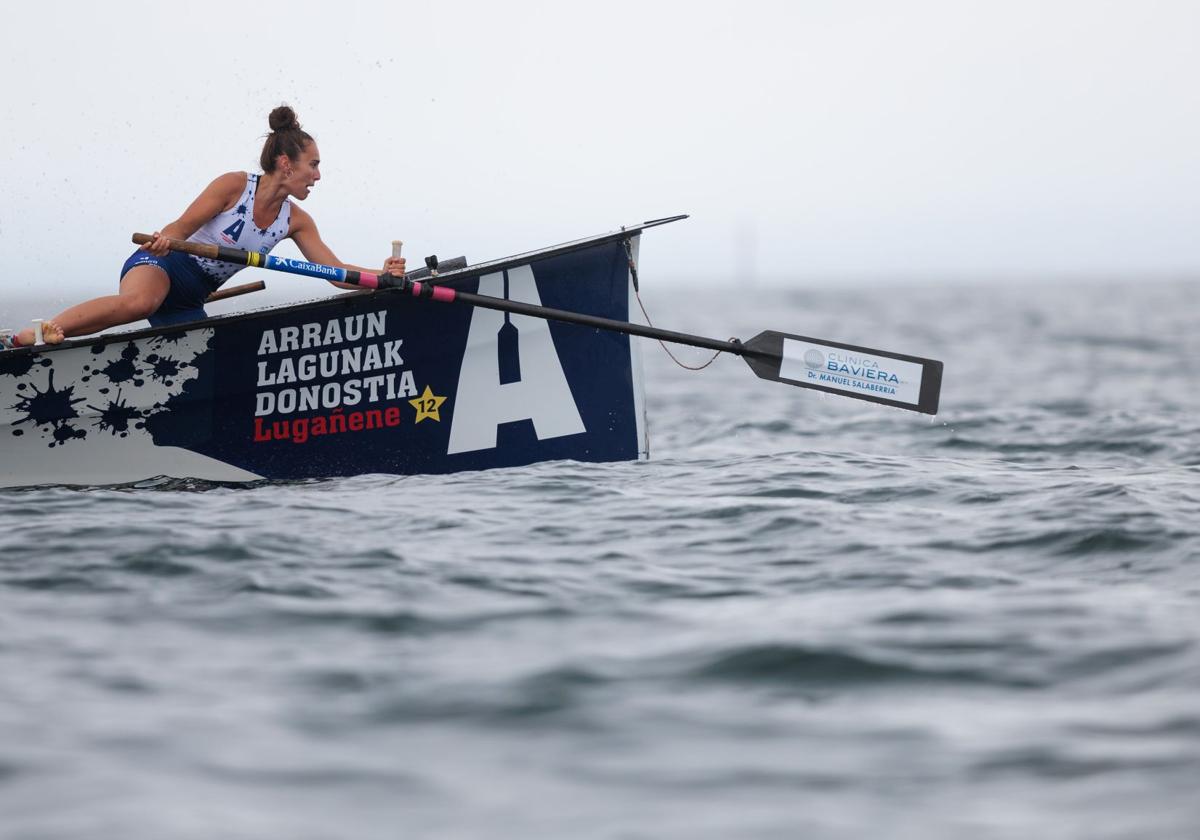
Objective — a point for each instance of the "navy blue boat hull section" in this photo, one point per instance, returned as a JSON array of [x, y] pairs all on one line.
[[370, 383]]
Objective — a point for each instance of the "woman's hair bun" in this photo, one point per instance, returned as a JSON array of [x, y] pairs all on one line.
[[283, 118], [286, 138]]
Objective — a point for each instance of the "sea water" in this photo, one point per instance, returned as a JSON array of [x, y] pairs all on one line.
[[804, 616]]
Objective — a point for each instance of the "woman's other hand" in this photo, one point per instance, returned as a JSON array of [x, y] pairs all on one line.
[[158, 245]]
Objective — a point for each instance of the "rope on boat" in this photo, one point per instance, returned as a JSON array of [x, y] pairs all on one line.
[[637, 293]]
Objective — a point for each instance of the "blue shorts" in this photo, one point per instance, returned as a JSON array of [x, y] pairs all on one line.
[[190, 287]]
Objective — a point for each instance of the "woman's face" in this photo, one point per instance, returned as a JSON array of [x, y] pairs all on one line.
[[305, 172]]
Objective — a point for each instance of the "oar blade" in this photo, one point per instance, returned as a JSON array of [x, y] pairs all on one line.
[[878, 376]]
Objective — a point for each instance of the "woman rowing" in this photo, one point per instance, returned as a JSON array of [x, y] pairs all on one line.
[[249, 212]]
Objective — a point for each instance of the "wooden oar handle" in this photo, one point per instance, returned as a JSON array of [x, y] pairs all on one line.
[[196, 249], [211, 252], [244, 289]]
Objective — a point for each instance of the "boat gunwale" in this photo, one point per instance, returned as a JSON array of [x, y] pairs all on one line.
[[449, 278]]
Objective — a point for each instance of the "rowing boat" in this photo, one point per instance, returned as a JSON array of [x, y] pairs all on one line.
[[363, 382], [538, 366]]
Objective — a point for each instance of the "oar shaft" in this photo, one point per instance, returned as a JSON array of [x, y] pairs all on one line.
[[907, 382], [441, 293], [517, 307], [257, 260]]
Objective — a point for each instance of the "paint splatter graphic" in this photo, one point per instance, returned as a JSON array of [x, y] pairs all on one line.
[[132, 369], [124, 369], [52, 407], [121, 385], [22, 364], [116, 417], [163, 368]]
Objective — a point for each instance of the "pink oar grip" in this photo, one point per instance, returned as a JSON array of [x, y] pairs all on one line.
[[441, 293]]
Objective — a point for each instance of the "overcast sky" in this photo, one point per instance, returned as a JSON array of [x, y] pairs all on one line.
[[874, 140]]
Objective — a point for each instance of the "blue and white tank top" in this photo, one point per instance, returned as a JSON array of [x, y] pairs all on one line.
[[235, 228]]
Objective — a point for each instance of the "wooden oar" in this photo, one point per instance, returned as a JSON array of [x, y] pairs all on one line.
[[234, 291], [848, 370], [257, 260]]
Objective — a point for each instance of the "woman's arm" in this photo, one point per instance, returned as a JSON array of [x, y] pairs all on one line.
[[303, 230], [217, 196]]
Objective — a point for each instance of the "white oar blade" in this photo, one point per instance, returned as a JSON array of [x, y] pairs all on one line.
[[894, 379]]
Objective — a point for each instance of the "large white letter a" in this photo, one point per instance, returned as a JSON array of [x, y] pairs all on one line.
[[541, 394]]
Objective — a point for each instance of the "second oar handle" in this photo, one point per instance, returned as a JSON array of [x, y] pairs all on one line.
[[234, 291], [397, 244]]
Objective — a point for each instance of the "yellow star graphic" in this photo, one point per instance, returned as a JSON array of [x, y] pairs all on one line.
[[427, 405]]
